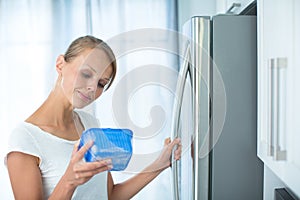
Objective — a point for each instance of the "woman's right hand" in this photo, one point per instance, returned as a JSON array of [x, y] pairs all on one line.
[[78, 171]]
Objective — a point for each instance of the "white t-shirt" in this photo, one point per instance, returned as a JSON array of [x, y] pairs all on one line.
[[54, 154]]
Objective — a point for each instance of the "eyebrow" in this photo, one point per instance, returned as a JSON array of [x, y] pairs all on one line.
[[91, 68], [108, 79]]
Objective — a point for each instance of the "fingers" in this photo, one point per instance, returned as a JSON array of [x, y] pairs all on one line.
[[90, 167], [172, 143], [84, 171], [177, 152], [176, 143], [78, 171], [75, 148], [79, 154]]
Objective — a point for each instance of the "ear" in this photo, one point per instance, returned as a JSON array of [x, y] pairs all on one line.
[[60, 61]]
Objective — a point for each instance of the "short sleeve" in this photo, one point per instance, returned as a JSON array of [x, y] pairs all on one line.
[[22, 140]]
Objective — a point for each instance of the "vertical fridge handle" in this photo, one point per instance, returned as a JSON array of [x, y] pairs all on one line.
[[176, 116]]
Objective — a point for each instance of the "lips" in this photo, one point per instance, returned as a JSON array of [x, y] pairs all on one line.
[[84, 97]]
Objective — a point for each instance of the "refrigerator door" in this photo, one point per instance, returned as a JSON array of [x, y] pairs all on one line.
[[191, 113], [236, 171]]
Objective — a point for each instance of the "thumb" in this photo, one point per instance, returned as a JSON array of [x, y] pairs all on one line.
[[176, 141], [75, 148], [167, 141]]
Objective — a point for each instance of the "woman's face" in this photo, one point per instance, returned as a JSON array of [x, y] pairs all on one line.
[[85, 77]]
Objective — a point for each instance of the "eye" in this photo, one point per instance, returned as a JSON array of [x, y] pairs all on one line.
[[85, 75]]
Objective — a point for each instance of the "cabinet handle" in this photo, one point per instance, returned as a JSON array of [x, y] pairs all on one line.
[[234, 5], [278, 109], [271, 97], [279, 153]]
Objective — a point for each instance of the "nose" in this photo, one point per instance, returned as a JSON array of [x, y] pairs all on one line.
[[92, 85], [91, 88]]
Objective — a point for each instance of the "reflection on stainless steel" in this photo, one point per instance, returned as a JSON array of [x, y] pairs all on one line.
[[196, 70], [219, 158], [176, 115]]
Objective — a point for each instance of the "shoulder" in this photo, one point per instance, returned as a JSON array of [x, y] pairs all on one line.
[[24, 138], [23, 130], [25, 133]]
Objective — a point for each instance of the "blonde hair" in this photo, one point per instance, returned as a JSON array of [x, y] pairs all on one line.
[[91, 42]]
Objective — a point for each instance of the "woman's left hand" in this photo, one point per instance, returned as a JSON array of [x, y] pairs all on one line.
[[165, 159]]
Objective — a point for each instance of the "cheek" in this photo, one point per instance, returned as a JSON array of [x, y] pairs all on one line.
[[77, 81], [70, 79]]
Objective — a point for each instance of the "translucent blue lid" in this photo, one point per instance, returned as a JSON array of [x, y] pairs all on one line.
[[115, 144]]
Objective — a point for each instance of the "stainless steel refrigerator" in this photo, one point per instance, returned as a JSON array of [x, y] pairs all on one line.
[[215, 111]]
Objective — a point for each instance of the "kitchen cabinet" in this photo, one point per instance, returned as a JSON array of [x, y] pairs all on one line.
[[279, 89], [232, 6]]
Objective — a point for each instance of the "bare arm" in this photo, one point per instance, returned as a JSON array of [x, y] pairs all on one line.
[[132, 186], [25, 176]]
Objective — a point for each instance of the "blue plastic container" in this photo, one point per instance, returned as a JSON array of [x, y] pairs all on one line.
[[115, 144]]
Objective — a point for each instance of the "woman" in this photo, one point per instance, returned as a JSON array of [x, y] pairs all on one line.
[[43, 159]]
